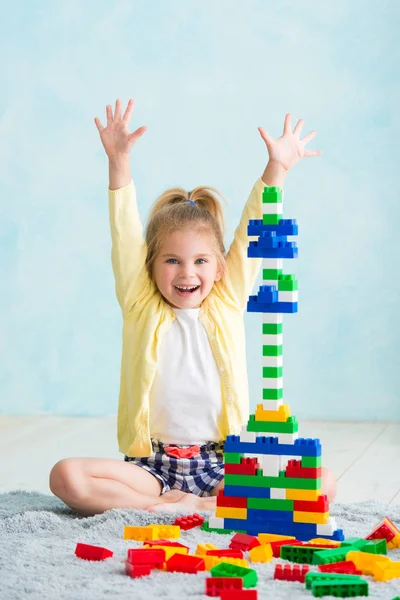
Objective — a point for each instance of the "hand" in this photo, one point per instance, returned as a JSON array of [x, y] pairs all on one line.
[[117, 140], [287, 150]]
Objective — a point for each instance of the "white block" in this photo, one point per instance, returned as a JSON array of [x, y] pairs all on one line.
[[216, 522], [247, 436], [288, 438], [272, 318], [328, 528], [272, 208], [271, 282], [272, 263], [277, 494], [272, 339], [270, 404], [273, 383], [270, 465], [288, 296], [272, 361]]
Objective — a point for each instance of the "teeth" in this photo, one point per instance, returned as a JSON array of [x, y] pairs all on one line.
[[186, 288]]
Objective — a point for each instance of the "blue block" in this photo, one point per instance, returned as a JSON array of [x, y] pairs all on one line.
[[269, 239], [284, 250], [286, 227], [254, 305], [270, 445], [302, 531], [268, 294], [259, 516], [245, 491]]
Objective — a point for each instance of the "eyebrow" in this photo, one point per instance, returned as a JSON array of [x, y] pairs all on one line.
[[176, 255]]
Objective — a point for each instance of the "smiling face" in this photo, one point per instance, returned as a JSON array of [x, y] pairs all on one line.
[[187, 259]]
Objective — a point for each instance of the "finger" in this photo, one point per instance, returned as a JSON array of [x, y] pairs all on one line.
[[129, 110], [137, 134], [109, 114], [117, 113], [313, 153], [98, 124], [287, 128], [309, 137], [299, 127], [265, 136]]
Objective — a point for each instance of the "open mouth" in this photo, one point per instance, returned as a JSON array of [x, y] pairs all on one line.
[[186, 291]]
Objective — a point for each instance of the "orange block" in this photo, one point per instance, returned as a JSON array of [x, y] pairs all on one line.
[[281, 415]]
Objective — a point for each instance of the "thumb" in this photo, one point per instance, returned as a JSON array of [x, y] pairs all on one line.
[[133, 137], [265, 136]]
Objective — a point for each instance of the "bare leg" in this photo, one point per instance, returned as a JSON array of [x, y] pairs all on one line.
[[187, 502], [329, 484]]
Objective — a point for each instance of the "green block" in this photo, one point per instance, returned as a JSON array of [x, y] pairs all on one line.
[[313, 576], [356, 542], [272, 350], [260, 480], [224, 569], [271, 273], [295, 483], [298, 554], [290, 426], [272, 328], [375, 547], [271, 219], [272, 195], [232, 458], [205, 527], [340, 589], [324, 557], [272, 394], [268, 504], [272, 372], [311, 461], [287, 283]]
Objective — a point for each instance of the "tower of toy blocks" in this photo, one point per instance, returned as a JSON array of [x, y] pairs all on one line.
[[273, 477]]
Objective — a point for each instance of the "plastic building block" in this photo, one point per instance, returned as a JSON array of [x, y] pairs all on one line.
[[204, 548], [261, 554], [233, 502], [344, 567], [323, 557], [294, 469], [299, 554], [331, 543], [244, 542], [386, 570], [247, 466], [267, 538], [284, 228], [277, 545], [340, 589], [228, 552], [150, 532], [375, 547], [231, 513], [137, 570], [239, 595], [161, 543], [291, 572], [313, 576], [224, 569], [185, 563], [147, 556], [215, 585], [189, 522], [321, 505], [270, 445], [366, 562], [88, 552], [387, 530]]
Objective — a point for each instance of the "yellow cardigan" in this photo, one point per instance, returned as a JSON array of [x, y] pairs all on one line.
[[147, 317]]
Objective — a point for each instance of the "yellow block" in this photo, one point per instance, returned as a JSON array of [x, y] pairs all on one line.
[[292, 494], [209, 561], [333, 543], [385, 571], [261, 554], [310, 517], [394, 543], [281, 415], [264, 538], [170, 550], [366, 562], [151, 532], [202, 548], [225, 512]]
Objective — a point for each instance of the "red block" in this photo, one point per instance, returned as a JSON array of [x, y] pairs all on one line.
[[276, 546], [165, 543], [344, 566], [320, 505], [239, 595], [294, 469], [226, 552], [189, 522], [215, 585], [383, 532], [242, 541], [89, 552], [146, 556], [247, 466], [291, 572], [230, 502], [137, 570], [185, 564]]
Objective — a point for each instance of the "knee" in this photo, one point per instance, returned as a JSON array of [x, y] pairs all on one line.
[[64, 478], [329, 484]]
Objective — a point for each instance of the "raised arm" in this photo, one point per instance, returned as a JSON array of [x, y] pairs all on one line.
[[129, 249]]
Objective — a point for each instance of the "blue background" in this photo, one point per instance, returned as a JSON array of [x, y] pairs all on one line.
[[204, 76]]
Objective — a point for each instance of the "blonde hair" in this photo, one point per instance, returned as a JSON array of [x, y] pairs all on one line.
[[172, 212]]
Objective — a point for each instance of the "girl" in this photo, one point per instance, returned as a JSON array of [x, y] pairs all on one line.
[[183, 384]]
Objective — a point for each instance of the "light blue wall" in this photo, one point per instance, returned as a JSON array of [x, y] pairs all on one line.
[[204, 76]]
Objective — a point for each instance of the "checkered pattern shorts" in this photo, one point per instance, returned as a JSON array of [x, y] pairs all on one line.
[[197, 475]]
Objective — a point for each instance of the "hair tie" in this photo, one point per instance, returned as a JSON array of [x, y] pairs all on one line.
[[191, 202]]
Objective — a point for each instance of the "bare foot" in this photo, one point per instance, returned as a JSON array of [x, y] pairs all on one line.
[[175, 500]]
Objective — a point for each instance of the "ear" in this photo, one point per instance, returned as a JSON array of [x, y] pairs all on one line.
[[218, 275]]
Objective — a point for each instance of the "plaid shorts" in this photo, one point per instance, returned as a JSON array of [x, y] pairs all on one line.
[[197, 475]]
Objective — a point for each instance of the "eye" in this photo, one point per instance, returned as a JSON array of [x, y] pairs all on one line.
[[203, 259], [169, 259]]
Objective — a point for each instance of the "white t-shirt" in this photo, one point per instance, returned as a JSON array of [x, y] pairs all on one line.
[[186, 398]]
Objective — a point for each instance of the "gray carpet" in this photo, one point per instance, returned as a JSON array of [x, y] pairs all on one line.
[[38, 535]]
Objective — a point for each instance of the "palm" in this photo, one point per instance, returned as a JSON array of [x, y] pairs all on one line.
[[289, 148], [115, 136]]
